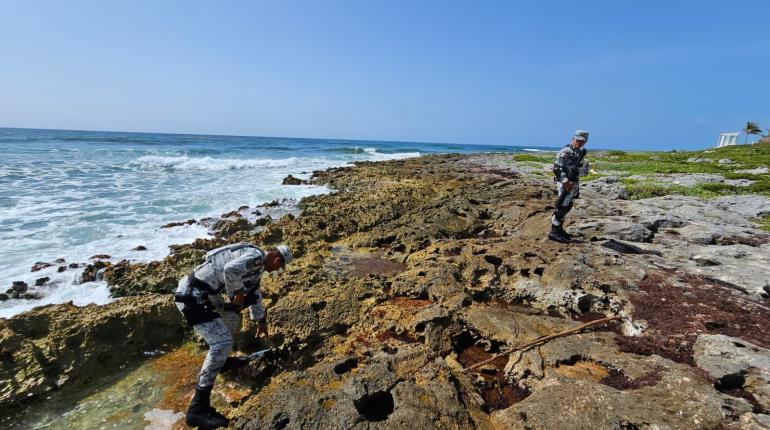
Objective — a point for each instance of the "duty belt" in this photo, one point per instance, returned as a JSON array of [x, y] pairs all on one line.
[[196, 283], [193, 282]]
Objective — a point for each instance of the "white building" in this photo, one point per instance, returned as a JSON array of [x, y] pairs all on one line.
[[728, 139]]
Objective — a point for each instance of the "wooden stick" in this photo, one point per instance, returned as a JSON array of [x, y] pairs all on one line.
[[544, 339]]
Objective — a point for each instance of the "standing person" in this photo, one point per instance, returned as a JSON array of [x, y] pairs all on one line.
[[567, 169], [234, 270]]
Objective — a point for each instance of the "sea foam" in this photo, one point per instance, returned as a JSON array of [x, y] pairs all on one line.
[[213, 164], [72, 195]]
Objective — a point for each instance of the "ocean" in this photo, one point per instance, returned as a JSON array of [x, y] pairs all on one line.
[[68, 195]]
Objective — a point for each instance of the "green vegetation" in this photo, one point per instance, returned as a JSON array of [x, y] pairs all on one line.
[[625, 164], [534, 157], [615, 153], [764, 223], [650, 163], [591, 177], [644, 189], [736, 175], [744, 157]]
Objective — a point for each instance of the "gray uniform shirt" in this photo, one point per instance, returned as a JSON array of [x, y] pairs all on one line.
[[234, 269], [570, 164]]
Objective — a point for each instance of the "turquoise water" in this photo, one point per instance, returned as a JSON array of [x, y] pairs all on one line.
[[74, 194], [124, 401]]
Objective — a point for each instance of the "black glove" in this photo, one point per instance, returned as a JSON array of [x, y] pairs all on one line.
[[251, 298], [231, 307]]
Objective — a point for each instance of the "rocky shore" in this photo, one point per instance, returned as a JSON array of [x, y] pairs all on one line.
[[412, 270]]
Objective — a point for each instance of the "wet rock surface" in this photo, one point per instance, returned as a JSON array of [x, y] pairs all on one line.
[[93, 271], [19, 290], [412, 270], [55, 346], [292, 180]]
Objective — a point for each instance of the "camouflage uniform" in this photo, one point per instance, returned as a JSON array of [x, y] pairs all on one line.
[[569, 166], [231, 269]]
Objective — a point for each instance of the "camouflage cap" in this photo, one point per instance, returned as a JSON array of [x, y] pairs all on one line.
[[581, 135], [286, 255]]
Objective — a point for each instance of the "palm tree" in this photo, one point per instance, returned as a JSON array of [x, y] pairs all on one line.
[[751, 128]]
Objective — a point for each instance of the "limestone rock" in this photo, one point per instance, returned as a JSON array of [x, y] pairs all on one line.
[[18, 287], [737, 365], [230, 226], [560, 403], [757, 383], [179, 224], [750, 421], [720, 355], [608, 186], [62, 345], [126, 279], [758, 171], [291, 180], [40, 265], [412, 269], [699, 160], [19, 290], [93, 271], [404, 390]]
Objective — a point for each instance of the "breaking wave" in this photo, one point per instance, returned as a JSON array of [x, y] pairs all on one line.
[[184, 162]]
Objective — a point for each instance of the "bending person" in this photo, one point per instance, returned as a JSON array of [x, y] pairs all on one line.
[[234, 271]]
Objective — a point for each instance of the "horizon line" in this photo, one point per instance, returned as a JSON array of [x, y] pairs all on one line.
[[555, 148], [273, 137]]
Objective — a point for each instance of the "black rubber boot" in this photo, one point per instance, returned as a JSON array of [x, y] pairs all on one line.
[[200, 413], [564, 233], [557, 236]]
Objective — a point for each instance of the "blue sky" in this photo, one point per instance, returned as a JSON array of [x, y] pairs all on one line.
[[637, 74]]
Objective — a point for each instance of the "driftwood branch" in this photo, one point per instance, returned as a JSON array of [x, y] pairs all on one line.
[[544, 339]]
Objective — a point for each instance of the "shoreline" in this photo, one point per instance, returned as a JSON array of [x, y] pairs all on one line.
[[85, 278], [411, 268], [81, 194]]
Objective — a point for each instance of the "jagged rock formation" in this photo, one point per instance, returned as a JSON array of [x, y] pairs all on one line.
[[414, 269], [64, 345], [292, 180]]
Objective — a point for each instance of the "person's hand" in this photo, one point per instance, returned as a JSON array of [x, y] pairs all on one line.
[[262, 329], [568, 186]]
